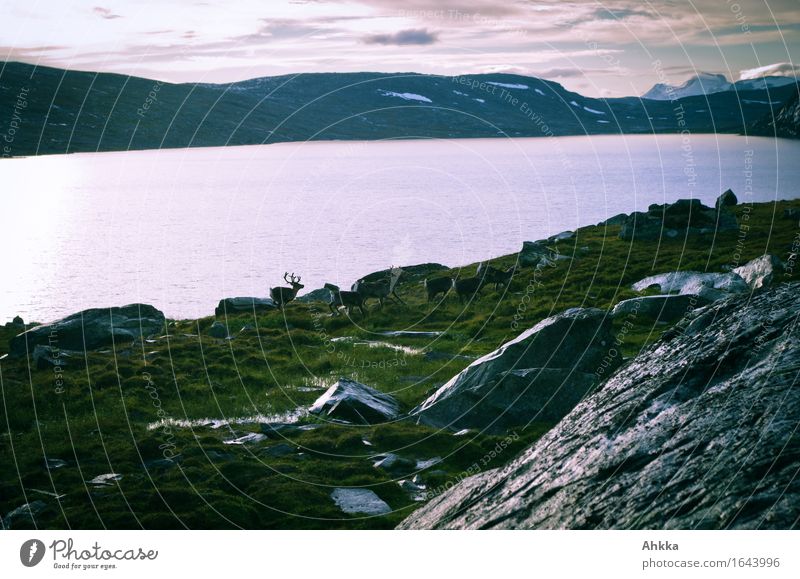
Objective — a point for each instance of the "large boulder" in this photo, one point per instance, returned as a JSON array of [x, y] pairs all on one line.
[[674, 220], [535, 252], [230, 306], [322, 294], [693, 283], [538, 376], [92, 329], [760, 271], [354, 402], [661, 308], [697, 432], [727, 199]]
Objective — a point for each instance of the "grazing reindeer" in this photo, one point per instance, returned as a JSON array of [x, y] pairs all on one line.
[[382, 289], [496, 276], [283, 295], [468, 287], [346, 299], [436, 286]]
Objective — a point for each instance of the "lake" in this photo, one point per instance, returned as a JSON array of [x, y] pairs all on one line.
[[181, 229]]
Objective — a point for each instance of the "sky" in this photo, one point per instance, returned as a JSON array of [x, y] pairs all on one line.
[[612, 48]]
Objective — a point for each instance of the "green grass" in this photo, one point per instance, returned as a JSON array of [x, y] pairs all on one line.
[[278, 362]]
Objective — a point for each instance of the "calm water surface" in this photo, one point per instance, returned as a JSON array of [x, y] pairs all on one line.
[[181, 229]]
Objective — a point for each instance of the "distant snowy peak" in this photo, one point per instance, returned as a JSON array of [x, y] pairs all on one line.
[[703, 83], [706, 83]]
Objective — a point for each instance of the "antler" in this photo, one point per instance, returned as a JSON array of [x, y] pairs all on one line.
[[295, 279], [284, 277]]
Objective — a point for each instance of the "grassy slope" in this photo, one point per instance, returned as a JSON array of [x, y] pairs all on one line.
[[99, 424]]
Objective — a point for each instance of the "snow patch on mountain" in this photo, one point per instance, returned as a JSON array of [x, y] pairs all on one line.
[[507, 85], [408, 96]]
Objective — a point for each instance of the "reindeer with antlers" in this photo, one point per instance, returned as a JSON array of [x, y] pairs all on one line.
[[381, 289], [283, 295]]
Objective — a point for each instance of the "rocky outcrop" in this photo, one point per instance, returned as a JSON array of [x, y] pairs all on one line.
[[674, 220], [230, 306], [354, 402], [663, 308], [727, 199], [539, 376], [92, 329], [536, 252], [359, 501], [760, 271], [786, 123], [218, 330], [697, 432], [318, 295]]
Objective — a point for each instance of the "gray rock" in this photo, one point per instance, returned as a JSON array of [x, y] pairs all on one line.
[[23, 515], [55, 463], [93, 329], [359, 501], [230, 306], [105, 479], [218, 330], [760, 271], [692, 282], [697, 432], [684, 217], [563, 236], [354, 402], [534, 252], [727, 199], [248, 438], [317, 295], [540, 375], [663, 308], [394, 464], [279, 450], [45, 357], [618, 219]]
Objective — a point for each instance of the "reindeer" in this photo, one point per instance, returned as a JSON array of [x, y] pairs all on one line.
[[382, 289], [494, 275], [283, 295], [345, 299], [437, 285], [468, 287]]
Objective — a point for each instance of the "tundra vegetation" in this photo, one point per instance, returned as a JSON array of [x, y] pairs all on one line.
[[145, 412]]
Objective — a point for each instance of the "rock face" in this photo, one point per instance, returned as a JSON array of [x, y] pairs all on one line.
[[318, 295], [684, 217], [786, 123], [359, 501], [663, 308], [354, 402], [760, 271], [539, 376], [238, 305], [92, 329], [698, 432]]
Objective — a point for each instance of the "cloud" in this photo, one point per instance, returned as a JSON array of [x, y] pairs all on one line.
[[105, 13], [777, 69], [414, 36]]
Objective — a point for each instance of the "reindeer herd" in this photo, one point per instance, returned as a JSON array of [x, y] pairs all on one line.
[[385, 289]]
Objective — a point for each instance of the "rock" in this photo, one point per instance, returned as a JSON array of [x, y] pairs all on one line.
[[618, 219], [163, 463], [540, 375], [93, 329], [411, 273], [663, 308], [359, 501], [230, 306], [17, 321], [218, 330], [317, 295], [698, 432], [760, 271], [692, 282], [354, 402], [55, 463], [535, 252], [105, 479], [676, 220], [246, 438], [785, 123], [563, 236], [727, 199], [24, 515], [394, 464], [46, 357]]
